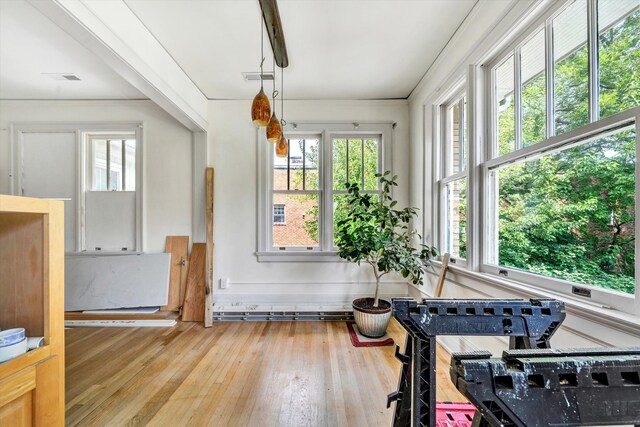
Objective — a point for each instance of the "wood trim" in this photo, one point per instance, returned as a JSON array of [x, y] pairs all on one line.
[[208, 308]]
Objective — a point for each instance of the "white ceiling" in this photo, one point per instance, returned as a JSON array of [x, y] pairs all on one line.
[[30, 45], [338, 49]]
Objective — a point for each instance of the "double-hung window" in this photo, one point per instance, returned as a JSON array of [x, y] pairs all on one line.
[[308, 185], [452, 186], [560, 176]]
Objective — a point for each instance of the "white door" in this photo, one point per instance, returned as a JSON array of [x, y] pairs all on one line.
[[49, 170]]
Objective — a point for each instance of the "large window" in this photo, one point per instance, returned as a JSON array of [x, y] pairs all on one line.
[[549, 198], [309, 186], [560, 170]]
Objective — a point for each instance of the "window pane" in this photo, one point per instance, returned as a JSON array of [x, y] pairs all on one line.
[[533, 90], [100, 165], [504, 78], [465, 132], [619, 55], [340, 209], [456, 192], [355, 161], [370, 164], [455, 120], [571, 74], [130, 165], [339, 164], [280, 172], [115, 165], [296, 165], [571, 214], [301, 226], [311, 164]]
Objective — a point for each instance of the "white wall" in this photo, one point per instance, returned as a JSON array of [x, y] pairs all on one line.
[[489, 25], [232, 152], [166, 156]]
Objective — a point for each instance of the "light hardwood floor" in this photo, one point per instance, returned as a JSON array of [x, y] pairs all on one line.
[[234, 374]]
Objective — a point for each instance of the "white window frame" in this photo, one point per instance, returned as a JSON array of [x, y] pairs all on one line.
[[482, 120], [443, 158], [488, 189], [325, 252]]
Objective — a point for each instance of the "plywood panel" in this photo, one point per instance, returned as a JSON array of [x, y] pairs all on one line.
[[177, 247], [194, 299], [22, 272], [101, 282]]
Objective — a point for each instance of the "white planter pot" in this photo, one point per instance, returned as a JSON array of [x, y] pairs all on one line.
[[372, 322]]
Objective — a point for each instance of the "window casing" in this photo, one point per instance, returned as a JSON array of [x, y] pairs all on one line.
[[524, 112], [308, 183]]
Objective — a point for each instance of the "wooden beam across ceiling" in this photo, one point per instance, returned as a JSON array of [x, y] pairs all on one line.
[[272, 22]]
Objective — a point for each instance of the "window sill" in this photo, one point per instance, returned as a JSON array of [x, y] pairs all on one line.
[[299, 256], [595, 312]]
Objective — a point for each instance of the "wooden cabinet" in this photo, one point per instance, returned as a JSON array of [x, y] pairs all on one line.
[[32, 297]]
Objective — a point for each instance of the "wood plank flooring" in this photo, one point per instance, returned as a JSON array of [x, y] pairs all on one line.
[[234, 374]]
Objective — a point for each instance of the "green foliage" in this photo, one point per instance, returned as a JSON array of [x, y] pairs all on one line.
[[373, 231]]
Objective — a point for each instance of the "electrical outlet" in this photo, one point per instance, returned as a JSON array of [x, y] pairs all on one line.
[[224, 283]]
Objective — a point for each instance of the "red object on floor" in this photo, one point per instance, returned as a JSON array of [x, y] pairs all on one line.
[[359, 340], [454, 414]]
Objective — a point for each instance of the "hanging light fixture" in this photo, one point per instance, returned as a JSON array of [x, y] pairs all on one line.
[[274, 128], [282, 147], [260, 108]]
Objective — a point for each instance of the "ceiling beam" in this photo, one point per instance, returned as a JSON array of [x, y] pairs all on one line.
[[115, 34], [273, 24]]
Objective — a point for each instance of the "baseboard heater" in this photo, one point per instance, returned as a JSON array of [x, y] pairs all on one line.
[[281, 316]]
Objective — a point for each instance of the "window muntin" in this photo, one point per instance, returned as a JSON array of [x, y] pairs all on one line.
[[571, 214], [113, 164]]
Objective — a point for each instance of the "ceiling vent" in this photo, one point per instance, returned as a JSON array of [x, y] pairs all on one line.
[[255, 77], [62, 76]]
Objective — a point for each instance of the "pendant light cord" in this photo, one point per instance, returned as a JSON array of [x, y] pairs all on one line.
[[261, 53], [282, 120], [275, 92]]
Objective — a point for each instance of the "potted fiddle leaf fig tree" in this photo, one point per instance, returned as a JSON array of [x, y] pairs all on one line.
[[372, 231]]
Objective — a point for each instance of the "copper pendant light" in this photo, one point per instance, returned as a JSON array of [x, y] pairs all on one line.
[[282, 147], [274, 128], [260, 108]]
